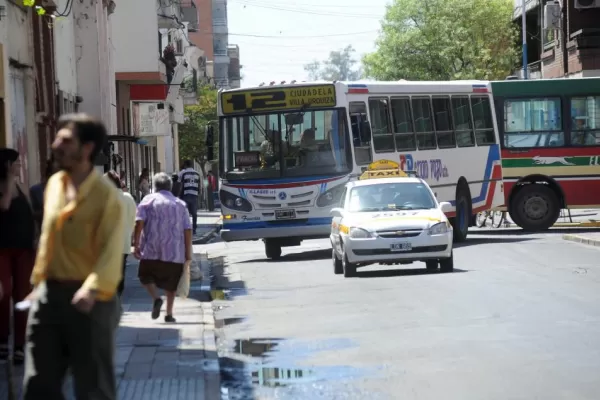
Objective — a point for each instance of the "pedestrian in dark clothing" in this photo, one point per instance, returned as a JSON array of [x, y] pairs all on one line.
[[190, 180], [176, 186], [17, 251]]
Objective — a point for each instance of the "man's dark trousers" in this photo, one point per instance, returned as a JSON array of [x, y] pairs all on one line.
[[192, 206], [59, 337]]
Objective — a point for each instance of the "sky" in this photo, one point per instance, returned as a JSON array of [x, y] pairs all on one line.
[[278, 37]]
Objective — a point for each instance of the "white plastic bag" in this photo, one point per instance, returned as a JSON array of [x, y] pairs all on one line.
[[183, 288]]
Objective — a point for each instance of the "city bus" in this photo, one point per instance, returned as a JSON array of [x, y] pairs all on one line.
[[550, 147], [286, 151]]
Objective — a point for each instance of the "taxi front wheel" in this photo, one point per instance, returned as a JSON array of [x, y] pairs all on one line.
[[447, 264], [338, 267], [348, 267]]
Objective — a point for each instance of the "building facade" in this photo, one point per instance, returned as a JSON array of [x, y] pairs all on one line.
[[563, 38]]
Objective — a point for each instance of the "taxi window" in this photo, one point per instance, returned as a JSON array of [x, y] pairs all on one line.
[[386, 197]]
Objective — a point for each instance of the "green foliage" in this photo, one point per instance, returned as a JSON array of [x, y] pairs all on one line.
[[340, 66], [445, 40], [192, 133]]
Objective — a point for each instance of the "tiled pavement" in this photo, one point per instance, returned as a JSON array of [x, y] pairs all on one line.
[[156, 360]]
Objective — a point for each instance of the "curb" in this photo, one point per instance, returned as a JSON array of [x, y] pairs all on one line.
[[212, 367], [582, 240], [207, 236]]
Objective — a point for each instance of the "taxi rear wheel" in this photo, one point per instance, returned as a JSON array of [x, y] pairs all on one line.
[[447, 264], [338, 267], [349, 268]]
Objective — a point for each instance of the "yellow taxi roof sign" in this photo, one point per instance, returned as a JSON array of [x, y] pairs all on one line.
[[383, 173], [383, 164]]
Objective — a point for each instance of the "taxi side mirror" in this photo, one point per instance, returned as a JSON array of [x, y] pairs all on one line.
[[445, 207], [337, 212]]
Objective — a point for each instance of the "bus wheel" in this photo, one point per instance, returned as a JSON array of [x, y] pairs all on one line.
[[461, 222], [536, 208], [272, 249]]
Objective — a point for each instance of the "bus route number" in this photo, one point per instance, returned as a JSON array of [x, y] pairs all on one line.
[[257, 101]]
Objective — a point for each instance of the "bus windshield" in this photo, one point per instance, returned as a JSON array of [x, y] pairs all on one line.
[[286, 144]]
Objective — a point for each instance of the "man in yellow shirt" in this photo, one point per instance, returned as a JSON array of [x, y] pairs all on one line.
[[74, 312]]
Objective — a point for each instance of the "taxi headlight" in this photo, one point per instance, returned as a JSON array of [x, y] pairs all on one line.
[[438, 229], [358, 233]]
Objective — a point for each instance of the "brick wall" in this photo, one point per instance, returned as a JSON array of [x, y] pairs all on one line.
[[203, 38]]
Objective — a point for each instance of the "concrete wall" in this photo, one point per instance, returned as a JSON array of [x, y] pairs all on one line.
[[135, 36], [65, 52], [95, 74]]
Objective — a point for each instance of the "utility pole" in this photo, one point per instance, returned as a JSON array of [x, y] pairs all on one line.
[[524, 29]]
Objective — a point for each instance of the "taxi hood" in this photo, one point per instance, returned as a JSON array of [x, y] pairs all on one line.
[[409, 219]]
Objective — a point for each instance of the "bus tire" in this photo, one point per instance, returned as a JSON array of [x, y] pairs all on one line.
[[462, 220], [536, 208], [272, 249]]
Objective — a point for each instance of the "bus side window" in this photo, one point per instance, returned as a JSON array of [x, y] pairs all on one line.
[[423, 123], [444, 127], [383, 138], [463, 123], [402, 123], [361, 135], [482, 117], [585, 125]]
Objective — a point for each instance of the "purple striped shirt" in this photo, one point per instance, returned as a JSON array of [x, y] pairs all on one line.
[[165, 219]]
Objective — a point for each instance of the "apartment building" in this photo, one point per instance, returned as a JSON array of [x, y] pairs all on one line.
[[212, 35], [563, 38], [152, 58]]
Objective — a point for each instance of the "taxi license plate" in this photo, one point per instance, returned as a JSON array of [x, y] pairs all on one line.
[[285, 214], [401, 247]]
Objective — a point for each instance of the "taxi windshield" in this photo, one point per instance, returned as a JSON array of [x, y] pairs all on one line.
[[390, 197]]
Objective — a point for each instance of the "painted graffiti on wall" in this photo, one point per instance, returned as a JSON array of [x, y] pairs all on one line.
[[18, 120]]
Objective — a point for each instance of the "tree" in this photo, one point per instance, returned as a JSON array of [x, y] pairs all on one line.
[[445, 40], [338, 67], [192, 139]]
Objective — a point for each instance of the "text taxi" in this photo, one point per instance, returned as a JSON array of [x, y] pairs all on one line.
[[389, 216]]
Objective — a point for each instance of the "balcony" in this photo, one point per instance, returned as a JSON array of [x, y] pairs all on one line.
[[221, 56], [534, 71], [169, 14], [220, 26]]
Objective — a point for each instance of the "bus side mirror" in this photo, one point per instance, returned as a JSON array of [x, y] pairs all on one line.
[[365, 131]]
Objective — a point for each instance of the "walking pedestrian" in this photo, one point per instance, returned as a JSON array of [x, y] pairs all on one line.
[[17, 252], [176, 190], [162, 242], [144, 183], [190, 180], [74, 312], [129, 209]]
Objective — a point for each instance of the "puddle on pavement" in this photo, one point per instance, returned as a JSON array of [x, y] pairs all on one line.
[[272, 363]]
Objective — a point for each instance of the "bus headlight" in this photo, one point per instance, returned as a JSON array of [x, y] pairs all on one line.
[[234, 202], [331, 196]]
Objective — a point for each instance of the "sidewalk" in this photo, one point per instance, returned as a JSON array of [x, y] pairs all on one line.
[[592, 238], [155, 360]]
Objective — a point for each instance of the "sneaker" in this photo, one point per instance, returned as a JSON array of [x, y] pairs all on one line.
[[18, 356], [156, 308], [169, 318]]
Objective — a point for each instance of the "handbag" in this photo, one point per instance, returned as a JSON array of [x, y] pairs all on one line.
[[183, 288]]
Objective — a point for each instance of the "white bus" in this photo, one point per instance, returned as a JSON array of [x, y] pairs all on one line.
[[286, 151]]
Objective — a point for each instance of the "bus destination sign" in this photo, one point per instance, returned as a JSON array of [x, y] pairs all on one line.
[[271, 99]]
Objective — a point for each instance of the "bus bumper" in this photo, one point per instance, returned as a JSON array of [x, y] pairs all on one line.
[[297, 232]]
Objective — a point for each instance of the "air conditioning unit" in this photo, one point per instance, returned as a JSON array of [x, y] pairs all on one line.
[[585, 4]]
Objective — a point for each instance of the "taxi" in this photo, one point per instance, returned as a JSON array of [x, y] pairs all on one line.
[[390, 216]]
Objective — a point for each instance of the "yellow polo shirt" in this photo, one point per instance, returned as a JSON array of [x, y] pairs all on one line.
[[82, 240]]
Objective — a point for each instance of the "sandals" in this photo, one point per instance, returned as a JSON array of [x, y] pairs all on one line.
[[4, 350], [18, 354]]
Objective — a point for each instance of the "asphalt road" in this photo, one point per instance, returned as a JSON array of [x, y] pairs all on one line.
[[518, 319]]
